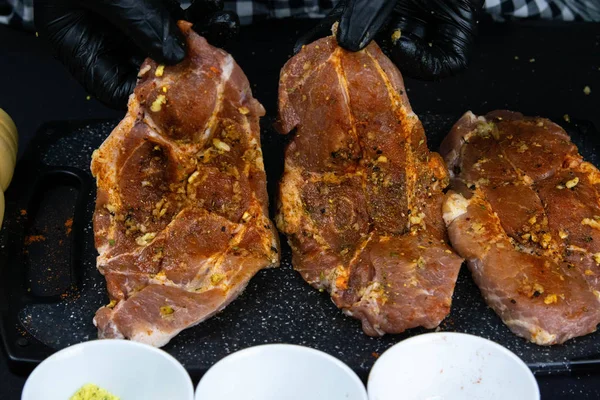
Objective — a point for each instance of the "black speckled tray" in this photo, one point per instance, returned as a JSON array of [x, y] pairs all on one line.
[[50, 289]]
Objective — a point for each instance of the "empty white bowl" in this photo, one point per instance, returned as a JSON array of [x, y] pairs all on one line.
[[280, 372], [450, 366], [126, 369]]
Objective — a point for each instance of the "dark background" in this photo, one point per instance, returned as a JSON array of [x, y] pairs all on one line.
[[555, 62]]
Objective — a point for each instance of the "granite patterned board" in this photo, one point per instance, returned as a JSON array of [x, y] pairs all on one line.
[[50, 288]]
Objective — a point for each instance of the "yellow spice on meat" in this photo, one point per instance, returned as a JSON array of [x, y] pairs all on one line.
[[550, 299]]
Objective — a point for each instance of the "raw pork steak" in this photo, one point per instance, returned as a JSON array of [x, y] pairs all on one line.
[[525, 213], [361, 195], [181, 221]]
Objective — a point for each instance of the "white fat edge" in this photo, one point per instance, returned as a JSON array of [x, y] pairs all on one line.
[[538, 335], [409, 119], [156, 338], [370, 296], [111, 326], [472, 120], [213, 265], [303, 78], [107, 154], [376, 327], [202, 281], [136, 252], [454, 206], [343, 83], [115, 333], [576, 248], [395, 97], [181, 151], [497, 301], [289, 217], [227, 69], [343, 270], [258, 163]]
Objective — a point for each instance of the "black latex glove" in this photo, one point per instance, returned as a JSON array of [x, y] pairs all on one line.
[[426, 39], [103, 42]]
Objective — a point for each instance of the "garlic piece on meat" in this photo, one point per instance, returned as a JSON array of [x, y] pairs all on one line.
[[143, 70], [166, 310], [545, 242], [591, 222], [246, 216], [157, 104], [193, 177], [221, 145], [145, 239], [538, 288], [572, 183], [160, 70], [216, 278], [396, 36]]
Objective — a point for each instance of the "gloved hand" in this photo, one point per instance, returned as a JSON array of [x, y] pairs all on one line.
[[426, 39], [103, 42]]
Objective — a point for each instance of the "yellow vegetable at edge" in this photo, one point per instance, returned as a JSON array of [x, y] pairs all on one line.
[[7, 163], [1, 207], [9, 141], [9, 127], [9, 138]]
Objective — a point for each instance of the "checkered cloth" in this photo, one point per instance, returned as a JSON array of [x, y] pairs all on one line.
[[255, 10], [566, 10], [19, 13]]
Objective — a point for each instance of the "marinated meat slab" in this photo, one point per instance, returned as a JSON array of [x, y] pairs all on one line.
[[524, 210], [181, 221], [361, 195]]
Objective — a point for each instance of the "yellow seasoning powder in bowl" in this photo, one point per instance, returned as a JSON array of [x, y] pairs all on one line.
[[92, 392]]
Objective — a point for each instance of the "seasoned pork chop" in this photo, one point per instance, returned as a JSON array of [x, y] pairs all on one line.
[[524, 210], [361, 195], [181, 221]]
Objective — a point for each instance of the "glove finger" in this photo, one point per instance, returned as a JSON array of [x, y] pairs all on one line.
[[361, 20], [98, 59], [429, 54], [148, 23], [201, 9], [219, 28], [322, 29]]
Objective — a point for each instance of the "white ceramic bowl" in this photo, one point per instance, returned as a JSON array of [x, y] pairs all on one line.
[[126, 369], [280, 372], [450, 366]]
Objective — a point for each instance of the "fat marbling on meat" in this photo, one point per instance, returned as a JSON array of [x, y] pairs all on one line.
[[181, 221], [361, 194], [524, 210]]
